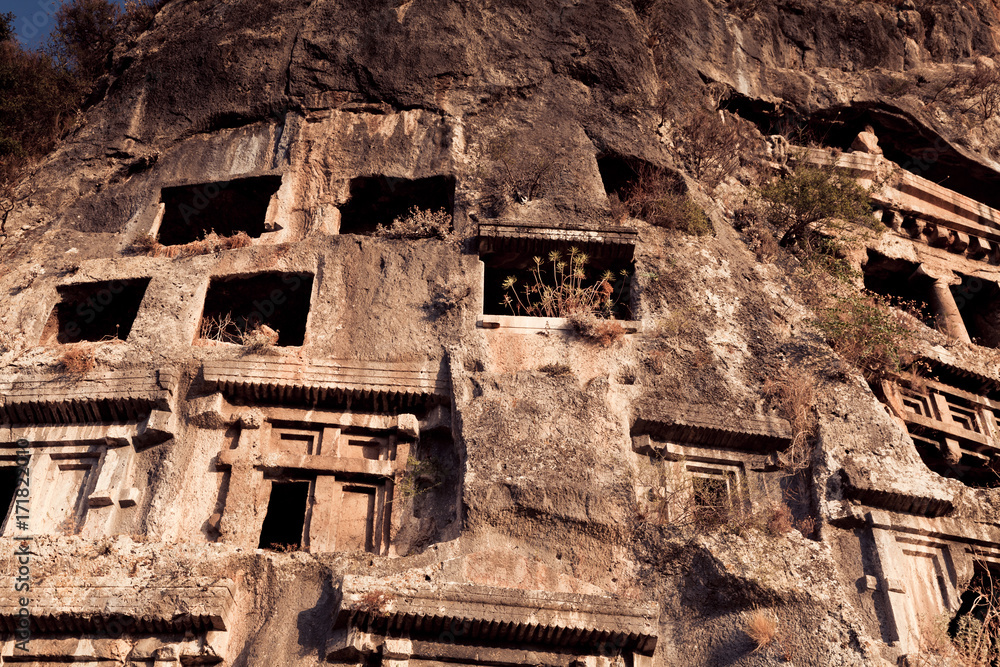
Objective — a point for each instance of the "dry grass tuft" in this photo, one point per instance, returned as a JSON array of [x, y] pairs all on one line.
[[78, 360], [260, 339], [555, 370], [418, 223], [761, 627], [212, 242], [792, 396], [374, 602], [604, 332]]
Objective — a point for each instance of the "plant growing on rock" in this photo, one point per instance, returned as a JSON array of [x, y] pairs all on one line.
[[147, 245], [711, 146], [792, 396], [761, 627], [77, 361], [515, 174], [654, 196], [809, 195], [867, 332], [421, 476], [560, 288], [418, 223]]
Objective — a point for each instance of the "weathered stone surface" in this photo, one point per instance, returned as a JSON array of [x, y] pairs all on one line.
[[430, 467]]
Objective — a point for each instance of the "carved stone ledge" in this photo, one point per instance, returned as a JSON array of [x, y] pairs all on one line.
[[387, 384], [500, 616], [711, 427], [114, 396]]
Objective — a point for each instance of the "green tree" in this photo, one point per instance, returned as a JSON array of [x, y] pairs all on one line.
[[6, 27], [84, 35], [811, 194]]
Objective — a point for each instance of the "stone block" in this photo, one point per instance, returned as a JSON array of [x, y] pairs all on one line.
[[408, 426], [129, 497]]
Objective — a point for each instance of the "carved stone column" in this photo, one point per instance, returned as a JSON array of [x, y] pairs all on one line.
[[949, 318]]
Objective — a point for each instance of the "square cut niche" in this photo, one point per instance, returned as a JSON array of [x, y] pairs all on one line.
[[623, 176], [896, 280], [235, 306], [707, 493], [95, 311], [378, 200], [193, 211], [501, 267], [284, 526], [978, 302]]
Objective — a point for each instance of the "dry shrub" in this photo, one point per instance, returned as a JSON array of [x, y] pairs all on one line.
[[983, 86], [761, 627], [560, 287], [712, 144], [374, 602], [780, 521], [867, 333], [601, 331], [619, 209], [654, 196], [219, 328], [555, 370], [515, 171], [418, 223], [212, 242], [77, 360], [259, 339], [792, 396]]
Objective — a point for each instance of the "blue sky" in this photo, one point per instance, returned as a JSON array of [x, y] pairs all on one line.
[[33, 19]]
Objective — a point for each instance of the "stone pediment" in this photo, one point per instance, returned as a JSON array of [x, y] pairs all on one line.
[[113, 396], [508, 620], [395, 384], [90, 604], [613, 241], [708, 427]]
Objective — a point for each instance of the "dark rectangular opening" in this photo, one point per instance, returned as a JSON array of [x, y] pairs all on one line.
[[618, 174], [236, 308], [509, 274], [895, 279], [226, 207], [379, 200], [8, 486], [979, 303], [96, 311], [284, 523]]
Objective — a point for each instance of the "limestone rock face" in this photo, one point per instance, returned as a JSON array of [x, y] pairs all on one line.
[[266, 377]]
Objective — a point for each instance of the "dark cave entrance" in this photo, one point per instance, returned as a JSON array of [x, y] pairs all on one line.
[[234, 306], [379, 200], [978, 302], [895, 279], [914, 148], [225, 207], [96, 311], [284, 523]]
